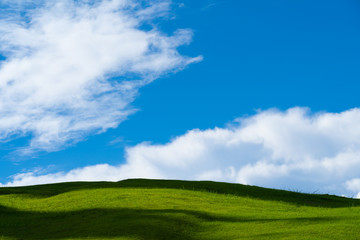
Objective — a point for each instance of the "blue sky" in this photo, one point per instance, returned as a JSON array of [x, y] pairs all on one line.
[[262, 86]]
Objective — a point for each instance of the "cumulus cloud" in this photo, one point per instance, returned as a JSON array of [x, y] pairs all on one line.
[[354, 186], [72, 68], [294, 150]]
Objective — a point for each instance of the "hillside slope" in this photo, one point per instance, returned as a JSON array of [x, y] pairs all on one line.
[[169, 209]]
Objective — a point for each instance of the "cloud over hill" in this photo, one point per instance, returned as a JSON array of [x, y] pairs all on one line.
[[293, 150]]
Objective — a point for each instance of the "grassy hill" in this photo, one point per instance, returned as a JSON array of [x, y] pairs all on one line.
[[166, 209]]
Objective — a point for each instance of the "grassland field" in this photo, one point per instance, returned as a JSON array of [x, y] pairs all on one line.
[[168, 209]]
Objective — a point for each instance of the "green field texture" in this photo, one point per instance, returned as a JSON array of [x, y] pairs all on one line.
[[169, 209]]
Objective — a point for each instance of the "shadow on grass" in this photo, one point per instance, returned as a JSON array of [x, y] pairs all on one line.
[[110, 223], [97, 223], [303, 199]]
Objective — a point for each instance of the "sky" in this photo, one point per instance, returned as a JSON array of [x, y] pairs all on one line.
[[253, 91]]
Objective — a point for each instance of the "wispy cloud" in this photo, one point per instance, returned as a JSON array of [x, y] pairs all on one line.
[[293, 150], [73, 67]]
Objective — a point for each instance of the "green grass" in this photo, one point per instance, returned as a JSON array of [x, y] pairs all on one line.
[[164, 209]]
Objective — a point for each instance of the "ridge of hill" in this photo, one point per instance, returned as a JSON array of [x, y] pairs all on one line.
[[307, 199]]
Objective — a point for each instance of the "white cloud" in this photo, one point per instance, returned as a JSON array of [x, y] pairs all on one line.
[[354, 186], [73, 67], [292, 150]]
